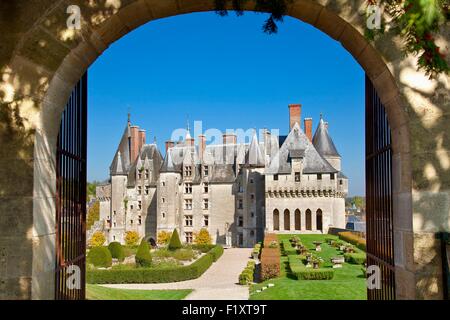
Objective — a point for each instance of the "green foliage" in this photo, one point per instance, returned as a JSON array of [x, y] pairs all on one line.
[[246, 276], [91, 189], [287, 247], [163, 237], [143, 256], [155, 275], [203, 247], [175, 242], [93, 215], [100, 257], [184, 254], [131, 238], [355, 258], [117, 251], [301, 272]]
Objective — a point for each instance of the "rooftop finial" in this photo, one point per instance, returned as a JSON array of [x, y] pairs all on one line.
[[321, 116], [154, 139], [129, 114]]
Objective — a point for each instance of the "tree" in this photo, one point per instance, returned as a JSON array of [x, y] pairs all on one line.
[[164, 237], [202, 237], [93, 215], [97, 239], [132, 238], [175, 242], [414, 20], [143, 257]]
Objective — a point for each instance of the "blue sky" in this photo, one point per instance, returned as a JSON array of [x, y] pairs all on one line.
[[229, 74]]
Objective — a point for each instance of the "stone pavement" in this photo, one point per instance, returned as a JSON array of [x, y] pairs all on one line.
[[219, 282]]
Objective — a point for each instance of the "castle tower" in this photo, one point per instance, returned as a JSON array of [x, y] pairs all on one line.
[[325, 146]]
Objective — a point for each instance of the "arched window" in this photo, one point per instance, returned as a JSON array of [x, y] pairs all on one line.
[[308, 220], [287, 220], [319, 224], [298, 223], [276, 219]]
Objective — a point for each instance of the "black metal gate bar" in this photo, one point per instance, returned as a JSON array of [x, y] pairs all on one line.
[[379, 207], [71, 196]]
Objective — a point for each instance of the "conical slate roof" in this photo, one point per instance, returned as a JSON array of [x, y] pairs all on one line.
[[255, 157], [168, 164], [323, 142], [118, 166], [297, 145]]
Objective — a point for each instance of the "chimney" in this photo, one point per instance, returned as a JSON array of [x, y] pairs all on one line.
[[142, 136], [308, 128], [135, 143], [229, 138], [295, 111], [190, 141], [201, 145], [169, 144]]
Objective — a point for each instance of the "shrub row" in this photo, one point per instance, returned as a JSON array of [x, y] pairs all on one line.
[[156, 275], [288, 248], [303, 273], [246, 276], [355, 258], [256, 250], [270, 257], [353, 239]]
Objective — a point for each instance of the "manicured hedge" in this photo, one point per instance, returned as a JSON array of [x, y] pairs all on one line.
[[246, 276], [100, 257], [288, 248], [353, 239], [355, 258], [156, 275], [303, 273], [116, 250], [143, 257]]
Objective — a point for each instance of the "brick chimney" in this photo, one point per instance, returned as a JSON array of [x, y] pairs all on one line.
[[135, 143], [295, 111], [229, 138], [142, 136], [308, 128], [169, 144], [201, 145]]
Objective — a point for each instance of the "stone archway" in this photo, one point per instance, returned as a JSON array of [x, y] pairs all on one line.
[[42, 61]]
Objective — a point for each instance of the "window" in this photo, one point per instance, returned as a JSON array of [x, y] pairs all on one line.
[[188, 188], [240, 204], [252, 196], [139, 175], [114, 213], [188, 221], [341, 182], [114, 238], [205, 204], [131, 222], [163, 200], [140, 205], [163, 183], [187, 171], [332, 176], [251, 180], [241, 188], [297, 177], [205, 187], [147, 189], [131, 206], [240, 221], [114, 224], [252, 214], [139, 220], [147, 174], [188, 204], [275, 177], [139, 190], [205, 221], [163, 215], [205, 171], [188, 237], [252, 233], [319, 176]]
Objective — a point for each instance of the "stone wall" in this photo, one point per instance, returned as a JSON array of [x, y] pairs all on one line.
[[41, 61]]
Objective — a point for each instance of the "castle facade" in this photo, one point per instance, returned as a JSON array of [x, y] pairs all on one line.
[[237, 191]]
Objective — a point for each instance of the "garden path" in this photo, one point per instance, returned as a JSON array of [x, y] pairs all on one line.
[[219, 282]]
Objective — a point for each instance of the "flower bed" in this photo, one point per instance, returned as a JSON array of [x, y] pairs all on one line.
[[155, 275], [288, 248], [298, 268], [270, 257]]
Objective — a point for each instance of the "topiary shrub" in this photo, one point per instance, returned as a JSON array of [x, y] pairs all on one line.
[[117, 251], [143, 257], [97, 239], [100, 257], [355, 258], [175, 242], [131, 238]]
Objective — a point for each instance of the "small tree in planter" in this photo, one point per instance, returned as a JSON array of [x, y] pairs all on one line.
[[143, 257], [175, 242]]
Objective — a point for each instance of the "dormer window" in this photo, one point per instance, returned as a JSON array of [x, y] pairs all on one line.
[[187, 171], [319, 176], [188, 188], [139, 190], [297, 177], [275, 177], [332, 176]]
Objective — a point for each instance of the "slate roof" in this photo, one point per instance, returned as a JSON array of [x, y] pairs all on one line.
[[123, 148], [297, 144], [323, 142], [149, 158]]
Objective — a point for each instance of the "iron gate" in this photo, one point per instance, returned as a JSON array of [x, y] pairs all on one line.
[[379, 206], [71, 197]]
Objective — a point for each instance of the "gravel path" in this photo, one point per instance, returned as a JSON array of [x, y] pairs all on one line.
[[219, 282]]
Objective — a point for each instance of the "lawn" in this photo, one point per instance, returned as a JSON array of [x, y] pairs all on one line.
[[348, 282], [94, 292]]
